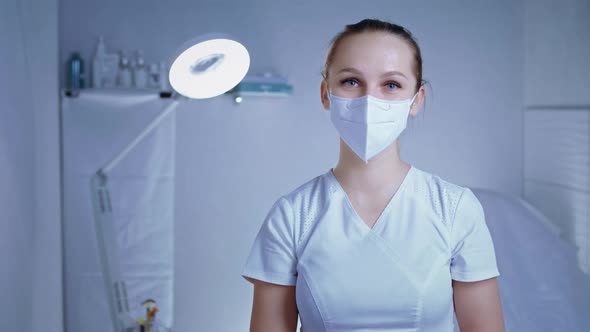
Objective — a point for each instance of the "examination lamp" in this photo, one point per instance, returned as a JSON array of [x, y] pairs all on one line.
[[205, 67]]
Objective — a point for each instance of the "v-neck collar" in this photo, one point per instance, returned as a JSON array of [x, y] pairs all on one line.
[[356, 216]]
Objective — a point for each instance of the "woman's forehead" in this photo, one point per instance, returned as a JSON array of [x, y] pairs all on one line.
[[373, 52]]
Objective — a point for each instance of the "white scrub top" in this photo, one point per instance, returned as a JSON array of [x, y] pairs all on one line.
[[395, 276]]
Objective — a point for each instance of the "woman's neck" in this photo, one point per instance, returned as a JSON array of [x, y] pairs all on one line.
[[382, 172]]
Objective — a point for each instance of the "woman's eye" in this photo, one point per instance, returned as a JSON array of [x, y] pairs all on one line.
[[392, 85], [350, 83]]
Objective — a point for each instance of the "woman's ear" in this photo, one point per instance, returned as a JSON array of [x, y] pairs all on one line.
[[418, 101], [324, 95]]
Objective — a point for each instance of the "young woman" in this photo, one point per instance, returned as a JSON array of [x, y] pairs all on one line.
[[374, 244]]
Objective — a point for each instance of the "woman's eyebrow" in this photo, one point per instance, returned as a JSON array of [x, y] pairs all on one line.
[[393, 73], [350, 70], [358, 72]]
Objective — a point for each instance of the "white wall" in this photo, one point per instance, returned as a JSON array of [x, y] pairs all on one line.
[[233, 162], [30, 236], [557, 65], [557, 116], [16, 176]]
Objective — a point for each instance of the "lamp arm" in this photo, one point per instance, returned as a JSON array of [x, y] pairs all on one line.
[[105, 233], [115, 287]]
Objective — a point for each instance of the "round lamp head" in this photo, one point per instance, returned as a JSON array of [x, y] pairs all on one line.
[[209, 67]]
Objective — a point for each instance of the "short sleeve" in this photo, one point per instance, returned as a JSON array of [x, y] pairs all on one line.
[[272, 257], [473, 255]]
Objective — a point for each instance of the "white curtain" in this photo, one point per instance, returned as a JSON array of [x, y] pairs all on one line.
[[30, 226], [97, 126]]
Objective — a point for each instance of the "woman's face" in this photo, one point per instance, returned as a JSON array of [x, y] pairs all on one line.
[[371, 63]]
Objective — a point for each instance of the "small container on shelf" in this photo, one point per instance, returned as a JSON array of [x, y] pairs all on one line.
[[75, 72], [154, 76], [164, 84], [140, 74], [110, 70], [125, 79]]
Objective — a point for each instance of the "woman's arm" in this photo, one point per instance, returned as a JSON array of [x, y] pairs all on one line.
[[274, 308], [478, 306]]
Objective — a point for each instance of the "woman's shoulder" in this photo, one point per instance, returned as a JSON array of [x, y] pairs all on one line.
[[311, 191], [306, 202], [441, 194]]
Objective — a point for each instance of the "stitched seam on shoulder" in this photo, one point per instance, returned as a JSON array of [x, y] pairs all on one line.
[[454, 212], [292, 225], [312, 222], [456, 207]]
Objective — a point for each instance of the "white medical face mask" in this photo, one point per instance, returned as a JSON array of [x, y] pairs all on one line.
[[367, 124]]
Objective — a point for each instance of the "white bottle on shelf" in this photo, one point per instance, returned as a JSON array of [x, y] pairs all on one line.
[[154, 76], [140, 75], [125, 79], [110, 70], [105, 66], [164, 86], [98, 64]]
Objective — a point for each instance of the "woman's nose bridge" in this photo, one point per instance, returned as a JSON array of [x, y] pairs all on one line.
[[364, 90], [371, 88]]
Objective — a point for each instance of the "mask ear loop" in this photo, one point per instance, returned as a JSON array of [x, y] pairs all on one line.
[[329, 93], [412, 100]]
